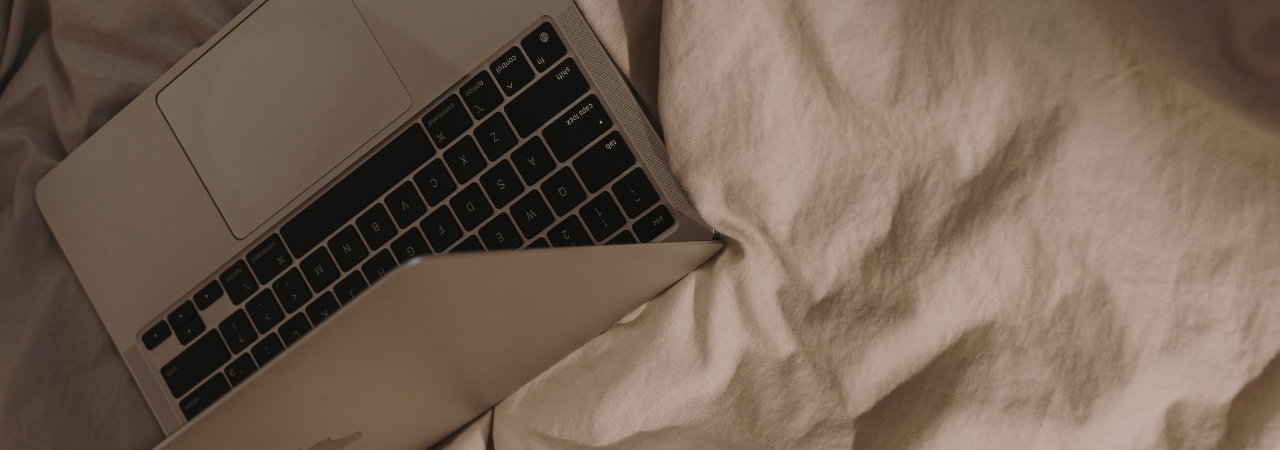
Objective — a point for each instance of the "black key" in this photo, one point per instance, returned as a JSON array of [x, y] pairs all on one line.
[[239, 282], [269, 258], [625, 237], [204, 396], [410, 245], [501, 184], [265, 351], [563, 191], [199, 360], [347, 247], [532, 215], [319, 269], [376, 227], [512, 71], [291, 290], [568, 233], [294, 328], [356, 191], [575, 129], [434, 182], [602, 216], [322, 308], [238, 331], [209, 294], [464, 160], [533, 161], [500, 234], [180, 316], [349, 287], [547, 97], [156, 335], [635, 193], [470, 244], [540, 243], [604, 162], [446, 122], [264, 311], [471, 206], [240, 369], [405, 205], [543, 46], [441, 229], [481, 95], [495, 137], [653, 224], [378, 266], [189, 331]]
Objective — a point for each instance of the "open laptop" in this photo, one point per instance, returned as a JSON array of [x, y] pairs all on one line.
[[311, 147]]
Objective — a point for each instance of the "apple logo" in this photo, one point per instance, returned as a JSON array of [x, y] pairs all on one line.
[[329, 444]]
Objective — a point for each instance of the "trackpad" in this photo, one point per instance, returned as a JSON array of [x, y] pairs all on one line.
[[291, 92]]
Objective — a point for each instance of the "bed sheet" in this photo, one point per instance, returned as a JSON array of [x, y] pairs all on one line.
[[978, 224]]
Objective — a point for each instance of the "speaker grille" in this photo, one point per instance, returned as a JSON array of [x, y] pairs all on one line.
[[155, 396]]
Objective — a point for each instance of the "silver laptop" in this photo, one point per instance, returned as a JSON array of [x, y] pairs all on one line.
[[259, 188]]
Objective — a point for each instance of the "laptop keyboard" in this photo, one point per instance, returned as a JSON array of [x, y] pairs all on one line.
[[522, 154]]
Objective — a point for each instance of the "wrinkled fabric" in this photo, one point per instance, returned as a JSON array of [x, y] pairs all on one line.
[[974, 224]]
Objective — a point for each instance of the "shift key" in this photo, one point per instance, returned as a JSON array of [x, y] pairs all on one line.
[[189, 368], [543, 100]]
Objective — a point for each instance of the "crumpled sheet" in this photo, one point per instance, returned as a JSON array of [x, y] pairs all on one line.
[[969, 224]]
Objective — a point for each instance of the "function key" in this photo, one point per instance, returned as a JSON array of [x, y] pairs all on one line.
[[543, 46], [347, 248], [604, 162], [204, 396], [156, 335], [291, 290], [585, 122], [653, 224], [481, 95], [533, 161], [635, 193], [269, 258], [348, 288], [501, 184], [547, 97], [319, 269], [180, 316], [563, 192], [209, 294], [501, 234], [441, 229], [378, 266], [568, 233], [239, 282], [602, 216], [189, 331], [464, 160], [376, 227], [625, 237], [447, 121], [405, 205], [512, 71], [434, 182], [495, 137], [471, 244]]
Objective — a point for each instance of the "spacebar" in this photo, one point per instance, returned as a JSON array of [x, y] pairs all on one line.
[[359, 189]]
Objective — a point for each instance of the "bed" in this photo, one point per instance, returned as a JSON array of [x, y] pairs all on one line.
[[973, 224]]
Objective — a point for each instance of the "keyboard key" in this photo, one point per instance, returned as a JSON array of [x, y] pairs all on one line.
[[563, 191], [322, 308], [409, 245], [376, 227], [464, 160], [434, 182], [209, 294], [405, 205], [495, 137], [347, 247], [239, 282], [265, 351], [237, 331], [543, 46], [319, 269], [625, 237], [378, 266], [511, 71], [180, 316], [189, 331], [568, 233], [471, 206], [501, 184], [291, 290], [446, 122], [199, 360], [575, 129], [635, 193], [156, 335], [294, 328], [481, 95], [269, 258], [540, 243], [349, 287], [264, 311], [532, 215], [546, 97], [533, 161], [602, 216], [470, 244], [500, 234], [240, 369], [604, 162], [204, 396], [441, 229], [653, 224]]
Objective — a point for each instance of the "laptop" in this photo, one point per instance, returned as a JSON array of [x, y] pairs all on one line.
[[228, 223]]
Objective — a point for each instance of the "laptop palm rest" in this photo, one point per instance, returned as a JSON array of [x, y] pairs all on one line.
[[274, 106], [435, 344]]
